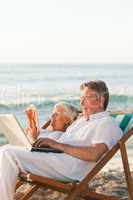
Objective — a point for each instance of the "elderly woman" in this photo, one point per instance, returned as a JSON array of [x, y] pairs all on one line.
[[63, 115]]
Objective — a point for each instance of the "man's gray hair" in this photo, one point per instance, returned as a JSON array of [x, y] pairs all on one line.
[[69, 110]]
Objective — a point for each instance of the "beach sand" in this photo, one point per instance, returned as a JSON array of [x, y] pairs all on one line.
[[111, 182]]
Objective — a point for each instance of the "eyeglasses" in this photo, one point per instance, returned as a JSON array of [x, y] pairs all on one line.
[[88, 98]]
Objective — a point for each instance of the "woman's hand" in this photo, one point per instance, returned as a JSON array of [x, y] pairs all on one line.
[[31, 134], [31, 117], [45, 142]]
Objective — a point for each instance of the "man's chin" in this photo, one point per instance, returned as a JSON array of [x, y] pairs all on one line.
[[84, 110]]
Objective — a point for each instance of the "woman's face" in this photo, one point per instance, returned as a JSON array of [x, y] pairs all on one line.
[[59, 119]]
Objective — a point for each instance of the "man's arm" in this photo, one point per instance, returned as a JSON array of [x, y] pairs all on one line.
[[91, 153]]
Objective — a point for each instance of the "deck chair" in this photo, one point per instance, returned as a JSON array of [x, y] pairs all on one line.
[[77, 190]]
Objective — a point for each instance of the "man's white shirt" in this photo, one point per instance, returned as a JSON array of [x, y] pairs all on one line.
[[100, 128]]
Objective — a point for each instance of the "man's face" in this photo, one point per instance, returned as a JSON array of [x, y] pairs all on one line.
[[59, 119], [90, 102]]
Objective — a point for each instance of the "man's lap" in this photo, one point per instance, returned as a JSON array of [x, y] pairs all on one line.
[[43, 164]]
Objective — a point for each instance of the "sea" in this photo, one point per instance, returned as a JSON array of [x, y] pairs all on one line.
[[46, 84]]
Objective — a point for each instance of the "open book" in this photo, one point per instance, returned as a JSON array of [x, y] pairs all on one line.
[[15, 134]]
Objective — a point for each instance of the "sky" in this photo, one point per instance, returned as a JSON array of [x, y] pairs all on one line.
[[66, 31]]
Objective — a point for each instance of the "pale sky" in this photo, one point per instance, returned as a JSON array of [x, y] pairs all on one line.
[[66, 31]]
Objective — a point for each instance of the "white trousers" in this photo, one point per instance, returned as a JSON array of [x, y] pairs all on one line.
[[15, 159]]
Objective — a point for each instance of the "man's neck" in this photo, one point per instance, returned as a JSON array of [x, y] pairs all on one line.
[[87, 115]]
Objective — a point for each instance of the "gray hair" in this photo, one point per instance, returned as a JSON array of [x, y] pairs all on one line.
[[69, 110]]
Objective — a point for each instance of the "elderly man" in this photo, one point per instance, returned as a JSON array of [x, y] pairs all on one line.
[[84, 142]]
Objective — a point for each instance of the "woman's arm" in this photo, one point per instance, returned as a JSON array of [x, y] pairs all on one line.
[[32, 134]]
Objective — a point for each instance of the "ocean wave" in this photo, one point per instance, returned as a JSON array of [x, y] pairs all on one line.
[[50, 101], [37, 101], [125, 90]]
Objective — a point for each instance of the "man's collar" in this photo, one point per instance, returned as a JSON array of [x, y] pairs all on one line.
[[98, 115]]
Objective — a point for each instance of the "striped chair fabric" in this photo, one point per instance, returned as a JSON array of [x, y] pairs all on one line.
[[125, 121]]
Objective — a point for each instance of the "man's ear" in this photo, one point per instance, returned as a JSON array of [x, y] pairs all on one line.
[[102, 99]]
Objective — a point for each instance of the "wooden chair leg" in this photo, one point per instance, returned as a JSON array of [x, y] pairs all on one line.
[[90, 196], [30, 192], [128, 175], [18, 184], [73, 195]]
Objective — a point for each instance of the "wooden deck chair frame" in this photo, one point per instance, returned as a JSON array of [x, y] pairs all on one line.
[[81, 189]]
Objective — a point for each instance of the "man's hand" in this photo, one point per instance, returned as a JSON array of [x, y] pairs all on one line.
[[45, 142]]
